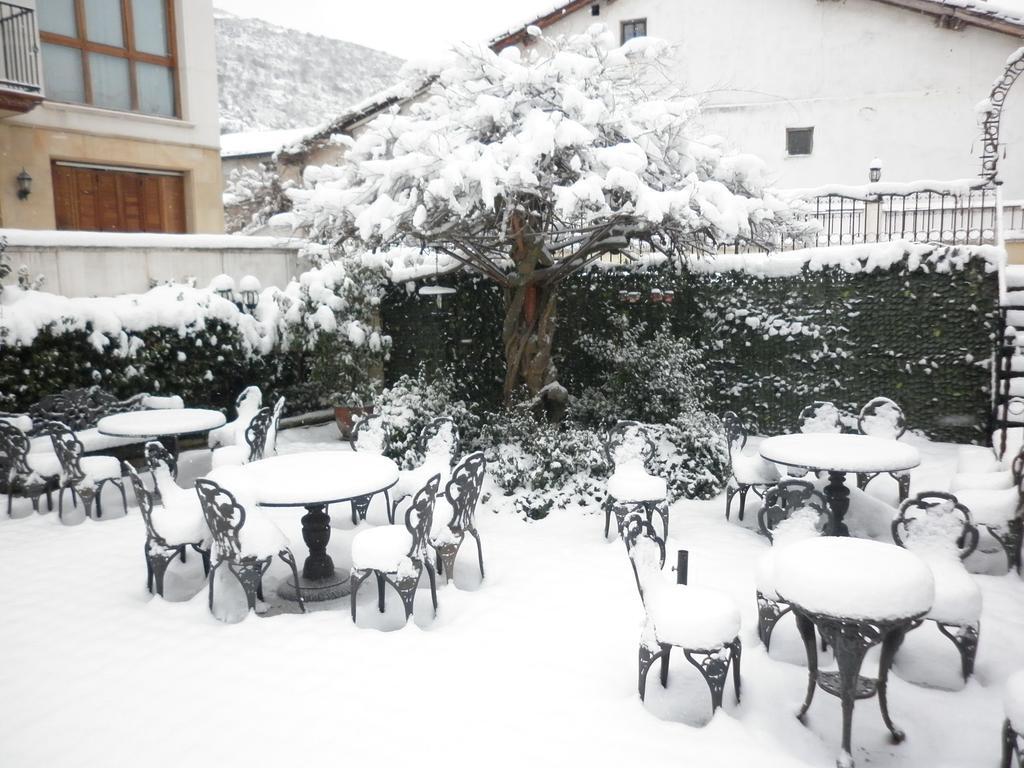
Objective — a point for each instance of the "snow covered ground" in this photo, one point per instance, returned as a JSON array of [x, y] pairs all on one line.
[[535, 666]]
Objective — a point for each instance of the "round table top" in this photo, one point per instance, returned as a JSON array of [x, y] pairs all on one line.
[[854, 578], [317, 477], [840, 453], [160, 422]]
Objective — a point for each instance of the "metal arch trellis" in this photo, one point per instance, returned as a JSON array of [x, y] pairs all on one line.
[[993, 114]]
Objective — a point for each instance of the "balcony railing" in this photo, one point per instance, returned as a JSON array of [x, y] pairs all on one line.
[[19, 51]]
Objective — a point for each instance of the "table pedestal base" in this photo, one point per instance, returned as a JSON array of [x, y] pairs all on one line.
[[316, 590]]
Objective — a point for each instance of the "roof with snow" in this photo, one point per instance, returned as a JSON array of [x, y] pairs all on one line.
[[1005, 16], [256, 143], [399, 93]]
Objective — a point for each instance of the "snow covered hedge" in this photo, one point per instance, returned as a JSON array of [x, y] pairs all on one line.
[[914, 322], [189, 341]]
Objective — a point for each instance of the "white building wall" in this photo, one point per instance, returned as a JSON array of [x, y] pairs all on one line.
[[873, 81]]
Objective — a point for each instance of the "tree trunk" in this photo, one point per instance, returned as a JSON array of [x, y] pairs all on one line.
[[528, 334]]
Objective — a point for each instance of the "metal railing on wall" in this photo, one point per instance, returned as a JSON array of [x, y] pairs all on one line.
[[19, 49]]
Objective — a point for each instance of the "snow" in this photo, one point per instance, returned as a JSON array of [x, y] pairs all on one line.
[[551, 579], [864, 257], [883, 421], [181, 421], [854, 578], [976, 458], [317, 476], [233, 433], [631, 482], [64, 238], [840, 452], [753, 470], [1014, 701], [383, 548], [247, 143], [989, 481], [990, 507], [97, 468], [957, 595]]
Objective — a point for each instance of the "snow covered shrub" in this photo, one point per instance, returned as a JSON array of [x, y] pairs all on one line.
[[692, 456], [645, 377], [411, 403], [525, 451], [330, 319], [251, 196]]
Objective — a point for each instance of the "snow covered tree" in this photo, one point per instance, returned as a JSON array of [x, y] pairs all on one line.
[[528, 166]]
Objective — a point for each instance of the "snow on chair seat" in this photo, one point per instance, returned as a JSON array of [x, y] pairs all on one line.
[[169, 532], [793, 510], [628, 447], [85, 476], [703, 622], [938, 529], [1013, 726], [260, 439], [396, 555], [749, 472], [245, 541]]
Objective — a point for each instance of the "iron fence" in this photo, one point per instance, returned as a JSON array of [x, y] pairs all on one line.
[[19, 51]]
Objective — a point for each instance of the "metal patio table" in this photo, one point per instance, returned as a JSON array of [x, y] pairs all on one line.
[[839, 455], [314, 481], [164, 424], [857, 594]]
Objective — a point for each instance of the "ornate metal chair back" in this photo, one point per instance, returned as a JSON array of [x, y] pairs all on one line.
[[159, 458], [368, 434], [463, 491], [82, 408], [69, 450], [14, 448], [145, 499], [1017, 468], [419, 517], [275, 425], [629, 441], [820, 416], [249, 398], [781, 501], [646, 549], [439, 437], [257, 432], [882, 417], [735, 433], [937, 521], [224, 517]]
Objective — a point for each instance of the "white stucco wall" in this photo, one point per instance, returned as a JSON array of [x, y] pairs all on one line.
[[873, 80], [197, 78]]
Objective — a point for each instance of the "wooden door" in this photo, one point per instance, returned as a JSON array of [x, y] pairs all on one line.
[[103, 199]]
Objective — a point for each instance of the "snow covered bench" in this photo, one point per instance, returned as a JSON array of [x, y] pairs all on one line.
[[81, 409]]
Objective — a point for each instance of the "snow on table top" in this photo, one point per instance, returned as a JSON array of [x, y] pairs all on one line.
[[840, 453], [177, 421], [315, 477], [854, 578]]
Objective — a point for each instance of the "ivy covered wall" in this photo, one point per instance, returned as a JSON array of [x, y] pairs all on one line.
[[918, 328]]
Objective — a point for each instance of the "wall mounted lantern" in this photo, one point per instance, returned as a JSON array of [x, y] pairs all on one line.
[[24, 184], [875, 171]]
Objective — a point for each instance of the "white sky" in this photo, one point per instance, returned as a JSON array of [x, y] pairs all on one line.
[[405, 28]]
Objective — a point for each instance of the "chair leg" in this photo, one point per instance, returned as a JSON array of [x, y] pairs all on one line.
[[666, 653], [355, 580], [737, 652], [646, 658], [289, 559], [204, 554], [607, 515], [446, 555], [1010, 746], [158, 564], [904, 485], [479, 551], [730, 491], [380, 590], [433, 587], [768, 614], [965, 638], [87, 495], [743, 501], [149, 569], [713, 666], [210, 579]]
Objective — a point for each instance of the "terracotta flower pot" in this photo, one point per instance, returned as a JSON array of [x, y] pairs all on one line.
[[345, 416]]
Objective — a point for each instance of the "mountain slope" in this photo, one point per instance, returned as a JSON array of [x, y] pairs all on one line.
[[271, 77]]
